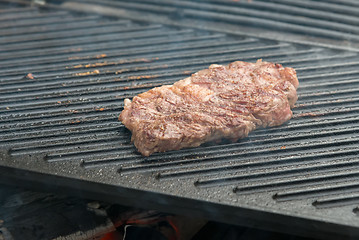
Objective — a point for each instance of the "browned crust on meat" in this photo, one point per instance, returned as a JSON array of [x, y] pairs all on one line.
[[214, 103]]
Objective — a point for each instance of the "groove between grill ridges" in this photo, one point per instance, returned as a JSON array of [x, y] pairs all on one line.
[[65, 106], [91, 149], [43, 74], [33, 16], [84, 21], [41, 102], [301, 11], [327, 76], [297, 182], [25, 127], [254, 185], [29, 14], [67, 118], [317, 191], [161, 55], [340, 8], [319, 96], [107, 160], [23, 149], [164, 58], [192, 63], [143, 6], [70, 121], [110, 46], [264, 23], [193, 55], [119, 55], [351, 3], [332, 66], [77, 44], [247, 184], [12, 11], [79, 95], [331, 102], [324, 59], [114, 81], [331, 84], [53, 131], [103, 151], [114, 149], [347, 199], [53, 136], [68, 101], [93, 31], [68, 146], [141, 31], [296, 124], [119, 84], [110, 107], [332, 89], [68, 139], [114, 26], [63, 111], [144, 69], [255, 135], [286, 154], [96, 91], [159, 71], [49, 20], [203, 151], [280, 17], [80, 111], [128, 47], [291, 163], [130, 160]]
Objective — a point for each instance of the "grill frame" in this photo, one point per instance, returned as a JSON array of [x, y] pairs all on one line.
[[82, 177]]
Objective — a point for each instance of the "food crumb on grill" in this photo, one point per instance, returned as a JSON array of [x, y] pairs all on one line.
[[96, 71], [187, 72], [309, 114], [78, 66], [101, 55], [142, 77], [98, 64], [76, 121], [283, 147], [29, 76]]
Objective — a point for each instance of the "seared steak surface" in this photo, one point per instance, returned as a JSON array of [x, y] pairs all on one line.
[[215, 103]]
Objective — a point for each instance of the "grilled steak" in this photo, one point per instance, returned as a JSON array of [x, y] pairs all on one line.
[[215, 103]]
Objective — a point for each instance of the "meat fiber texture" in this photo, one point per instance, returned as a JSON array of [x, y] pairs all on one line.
[[221, 102]]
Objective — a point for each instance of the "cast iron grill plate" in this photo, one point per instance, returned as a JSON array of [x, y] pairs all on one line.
[[59, 129]]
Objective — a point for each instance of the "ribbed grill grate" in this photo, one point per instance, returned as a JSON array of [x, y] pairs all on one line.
[[63, 121], [324, 20]]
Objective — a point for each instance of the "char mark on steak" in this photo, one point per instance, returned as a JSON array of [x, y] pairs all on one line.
[[215, 103]]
